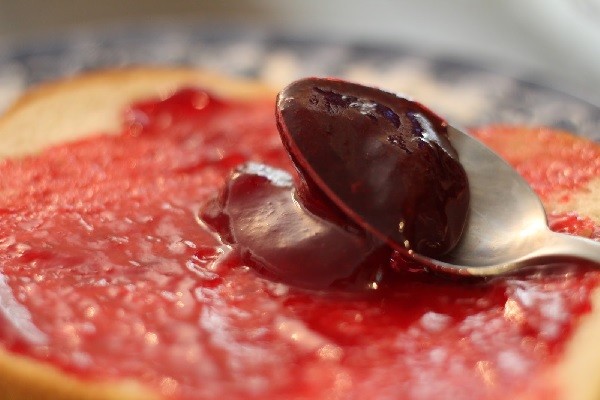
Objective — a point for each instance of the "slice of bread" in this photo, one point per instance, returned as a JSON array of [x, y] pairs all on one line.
[[73, 108]]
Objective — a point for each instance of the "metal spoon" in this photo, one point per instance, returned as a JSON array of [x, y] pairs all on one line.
[[506, 227], [339, 136]]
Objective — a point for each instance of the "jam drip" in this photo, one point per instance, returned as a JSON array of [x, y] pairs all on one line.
[[260, 212]]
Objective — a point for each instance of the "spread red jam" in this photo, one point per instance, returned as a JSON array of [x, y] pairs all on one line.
[[105, 272]]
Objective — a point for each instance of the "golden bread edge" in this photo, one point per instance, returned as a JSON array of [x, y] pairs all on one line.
[[92, 103], [24, 378], [51, 114]]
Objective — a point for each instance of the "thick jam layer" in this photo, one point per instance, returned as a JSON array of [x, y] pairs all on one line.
[[105, 272], [382, 160], [260, 214]]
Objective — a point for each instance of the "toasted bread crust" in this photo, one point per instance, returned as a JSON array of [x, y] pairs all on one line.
[[24, 378], [577, 372], [92, 103], [73, 108]]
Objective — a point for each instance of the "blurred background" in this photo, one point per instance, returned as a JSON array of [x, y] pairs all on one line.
[[553, 42]]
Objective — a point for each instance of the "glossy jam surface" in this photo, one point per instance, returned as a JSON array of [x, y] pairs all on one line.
[[554, 163], [106, 273], [383, 160], [260, 215]]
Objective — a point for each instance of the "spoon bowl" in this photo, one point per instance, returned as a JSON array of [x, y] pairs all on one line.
[[399, 173], [506, 226]]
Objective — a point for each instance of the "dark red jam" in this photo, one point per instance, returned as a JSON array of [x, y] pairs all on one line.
[[376, 172], [106, 274], [260, 213], [383, 160]]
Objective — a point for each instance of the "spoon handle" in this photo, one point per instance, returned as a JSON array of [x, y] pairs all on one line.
[[563, 245]]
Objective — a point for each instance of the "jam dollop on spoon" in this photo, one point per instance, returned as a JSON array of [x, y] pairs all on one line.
[[383, 160], [376, 173]]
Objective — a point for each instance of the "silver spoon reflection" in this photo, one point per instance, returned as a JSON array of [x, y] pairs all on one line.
[[506, 227]]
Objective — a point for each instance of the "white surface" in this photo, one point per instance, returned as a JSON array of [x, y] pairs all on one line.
[[556, 42]]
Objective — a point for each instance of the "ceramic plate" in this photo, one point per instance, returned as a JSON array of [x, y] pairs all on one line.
[[464, 93]]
